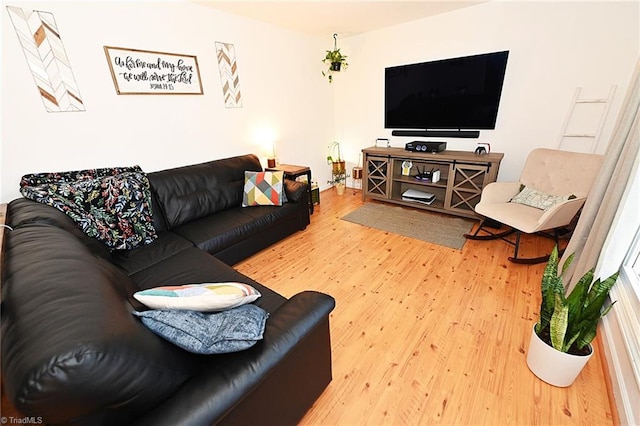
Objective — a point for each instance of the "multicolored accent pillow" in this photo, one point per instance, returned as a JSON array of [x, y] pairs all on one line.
[[215, 333], [539, 200], [208, 297], [263, 189], [112, 205]]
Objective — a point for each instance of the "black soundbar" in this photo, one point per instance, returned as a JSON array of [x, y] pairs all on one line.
[[470, 134]]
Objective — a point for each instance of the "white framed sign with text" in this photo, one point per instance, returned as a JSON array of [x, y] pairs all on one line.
[[144, 72]]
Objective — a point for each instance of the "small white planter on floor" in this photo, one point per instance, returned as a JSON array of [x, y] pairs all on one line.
[[554, 367]]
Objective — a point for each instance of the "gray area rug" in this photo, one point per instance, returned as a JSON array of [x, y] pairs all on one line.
[[434, 228]]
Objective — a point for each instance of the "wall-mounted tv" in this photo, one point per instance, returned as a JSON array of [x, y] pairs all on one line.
[[458, 93]]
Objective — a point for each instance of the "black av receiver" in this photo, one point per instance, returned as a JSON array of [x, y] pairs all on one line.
[[420, 146]]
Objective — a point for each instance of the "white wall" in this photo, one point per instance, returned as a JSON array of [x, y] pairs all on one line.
[[283, 91], [554, 47]]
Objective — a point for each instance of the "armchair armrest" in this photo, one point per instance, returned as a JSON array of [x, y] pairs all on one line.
[[561, 214], [499, 192]]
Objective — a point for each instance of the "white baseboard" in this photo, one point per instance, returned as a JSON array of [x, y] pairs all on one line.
[[625, 388]]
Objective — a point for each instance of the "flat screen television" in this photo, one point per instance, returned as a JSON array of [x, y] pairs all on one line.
[[458, 93]]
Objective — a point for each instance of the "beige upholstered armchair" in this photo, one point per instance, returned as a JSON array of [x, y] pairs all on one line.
[[553, 187]]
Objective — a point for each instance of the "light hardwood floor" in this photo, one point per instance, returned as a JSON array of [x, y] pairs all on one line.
[[423, 334]]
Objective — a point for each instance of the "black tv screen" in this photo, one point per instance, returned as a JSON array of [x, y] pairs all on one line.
[[458, 93]]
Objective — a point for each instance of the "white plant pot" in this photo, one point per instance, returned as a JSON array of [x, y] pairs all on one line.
[[554, 367]]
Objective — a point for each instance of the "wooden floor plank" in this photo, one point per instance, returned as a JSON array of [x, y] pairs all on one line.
[[424, 334]]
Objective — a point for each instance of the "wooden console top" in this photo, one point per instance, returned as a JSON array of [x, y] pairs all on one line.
[[447, 155]]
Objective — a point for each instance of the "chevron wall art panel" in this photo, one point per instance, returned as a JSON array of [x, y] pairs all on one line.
[[47, 59], [229, 75]]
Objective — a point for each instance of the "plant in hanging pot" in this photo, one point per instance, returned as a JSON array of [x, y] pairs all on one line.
[[561, 339], [335, 59]]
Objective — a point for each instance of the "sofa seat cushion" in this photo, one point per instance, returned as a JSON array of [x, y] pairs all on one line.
[[166, 245], [194, 266], [217, 232]]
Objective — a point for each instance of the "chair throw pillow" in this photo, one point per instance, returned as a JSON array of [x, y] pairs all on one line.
[[208, 333], [538, 199], [112, 205], [208, 297], [263, 189]]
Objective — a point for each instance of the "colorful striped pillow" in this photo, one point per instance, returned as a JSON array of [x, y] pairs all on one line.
[[207, 297]]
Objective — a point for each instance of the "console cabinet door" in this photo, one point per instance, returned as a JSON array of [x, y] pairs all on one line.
[[376, 177], [466, 187]]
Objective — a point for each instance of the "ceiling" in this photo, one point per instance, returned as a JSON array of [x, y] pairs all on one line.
[[346, 18]]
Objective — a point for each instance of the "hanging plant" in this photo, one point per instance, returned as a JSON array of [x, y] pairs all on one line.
[[335, 59]]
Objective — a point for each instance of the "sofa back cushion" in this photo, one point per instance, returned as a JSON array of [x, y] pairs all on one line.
[[25, 212], [191, 192], [110, 204]]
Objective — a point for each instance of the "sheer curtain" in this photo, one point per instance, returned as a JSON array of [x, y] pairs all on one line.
[[602, 203]]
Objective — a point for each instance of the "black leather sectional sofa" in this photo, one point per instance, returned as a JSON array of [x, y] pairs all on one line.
[[72, 352]]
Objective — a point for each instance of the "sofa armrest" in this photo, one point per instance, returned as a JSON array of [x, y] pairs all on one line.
[[70, 347], [295, 191], [212, 396]]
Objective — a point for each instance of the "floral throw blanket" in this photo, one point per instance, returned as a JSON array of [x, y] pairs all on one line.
[[112, 205]]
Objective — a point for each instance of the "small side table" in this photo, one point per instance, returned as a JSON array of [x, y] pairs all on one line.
[[292, 172]]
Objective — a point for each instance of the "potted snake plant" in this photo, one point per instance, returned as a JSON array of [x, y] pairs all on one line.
[[560, 343]]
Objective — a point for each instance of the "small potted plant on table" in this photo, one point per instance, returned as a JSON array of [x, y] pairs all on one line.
[[561, 339]]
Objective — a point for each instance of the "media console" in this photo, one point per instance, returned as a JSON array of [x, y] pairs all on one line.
[[388, 173]]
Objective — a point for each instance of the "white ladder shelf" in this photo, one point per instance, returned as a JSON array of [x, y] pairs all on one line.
[[592, 136]]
